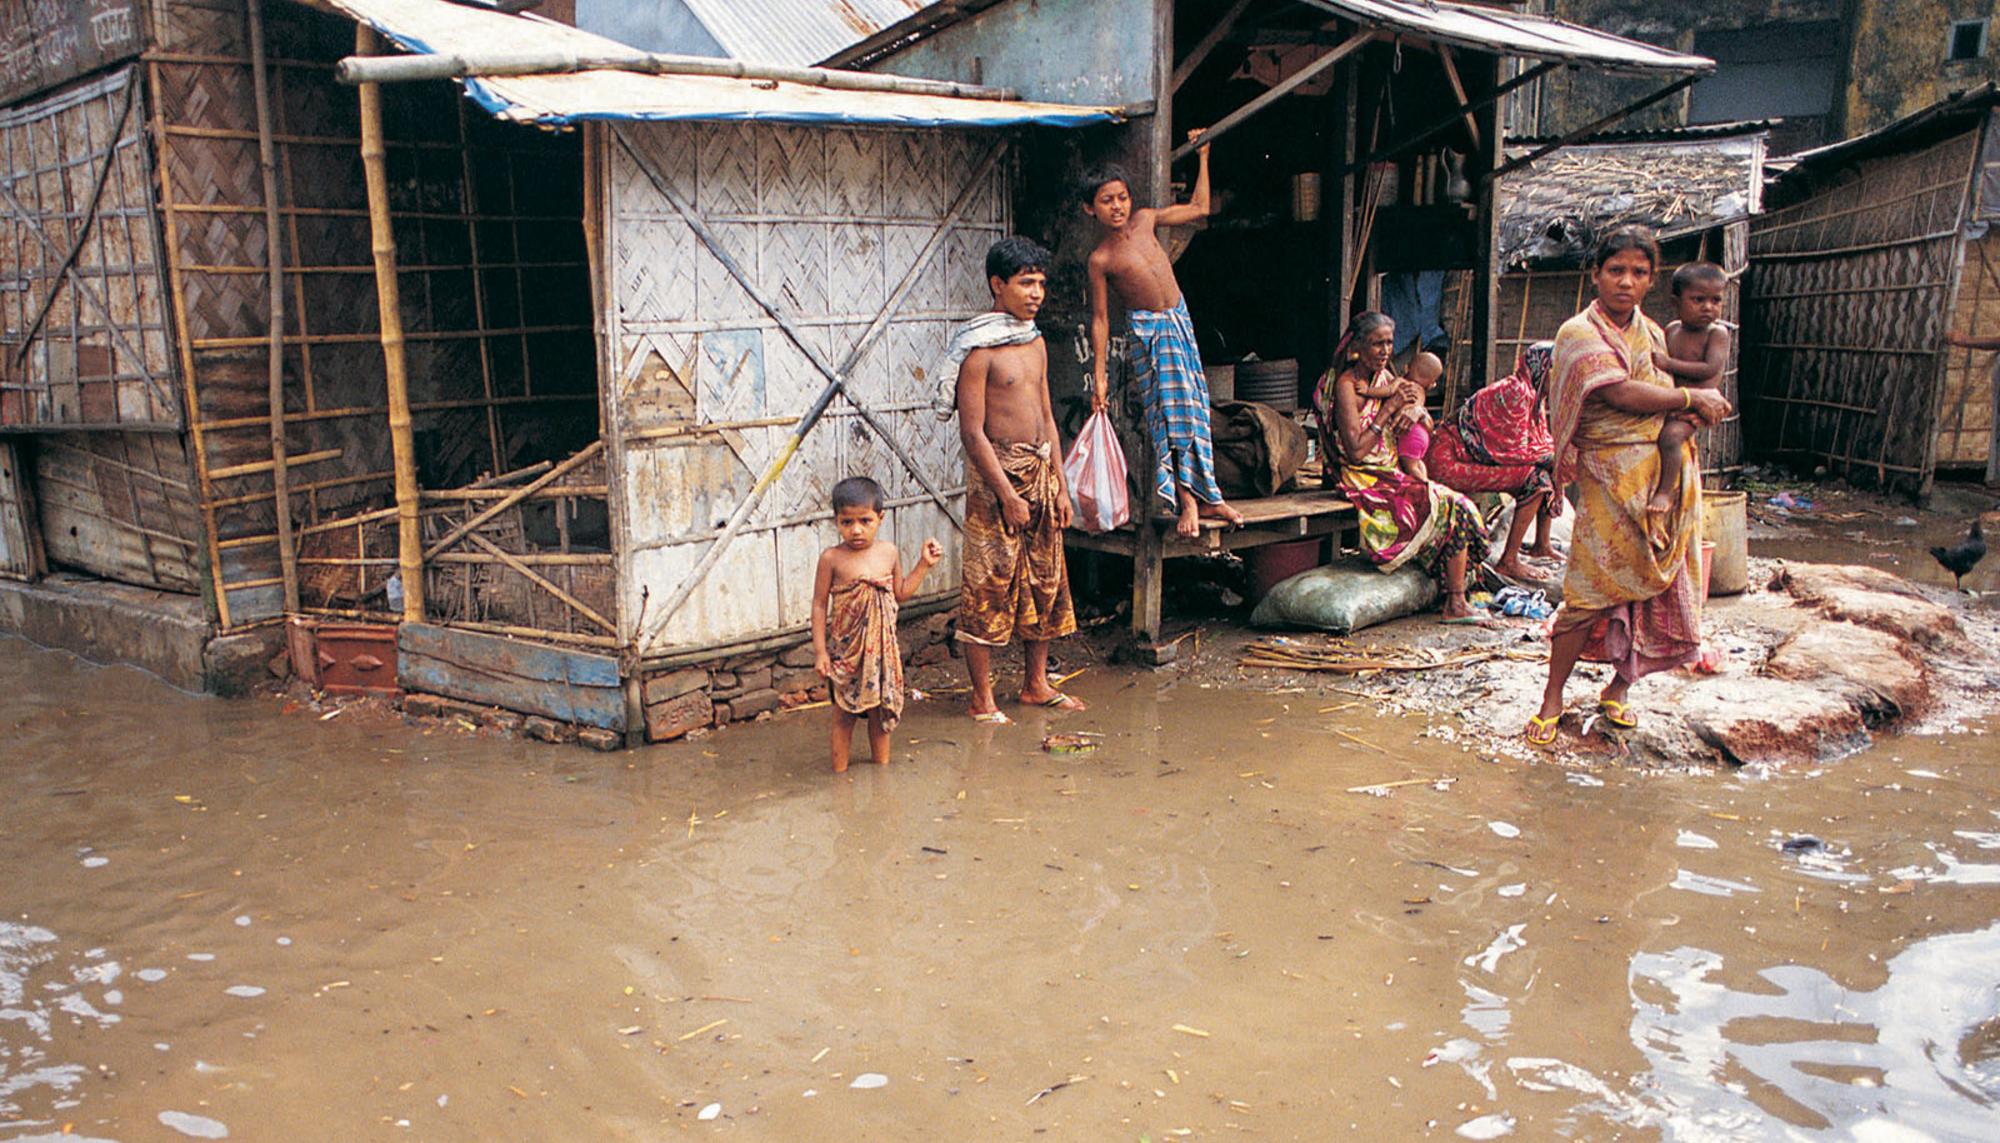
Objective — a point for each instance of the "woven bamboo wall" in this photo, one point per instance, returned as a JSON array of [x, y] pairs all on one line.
[[829, 224], [1965, 418], [1534, 304], [489, 243], [1845, 317], [83, 328]]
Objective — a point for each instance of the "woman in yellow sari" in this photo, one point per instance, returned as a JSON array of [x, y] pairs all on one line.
[[1629, 595]]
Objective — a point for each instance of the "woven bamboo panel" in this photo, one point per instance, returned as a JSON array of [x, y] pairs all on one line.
[[83, 320], [495, 300], [1966, 419], [1846, 313], [827, 223], [550, 524]]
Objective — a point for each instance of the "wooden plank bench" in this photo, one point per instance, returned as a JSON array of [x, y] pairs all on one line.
[[1150, 543]]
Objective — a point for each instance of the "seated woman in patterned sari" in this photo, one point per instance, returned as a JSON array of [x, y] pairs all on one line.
[[1362, 410], [1498, 441]]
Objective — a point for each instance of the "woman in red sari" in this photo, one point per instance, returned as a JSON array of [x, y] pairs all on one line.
[[1629, 595], [1498, 441]]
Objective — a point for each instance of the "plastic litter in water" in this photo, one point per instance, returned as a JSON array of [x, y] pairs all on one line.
[[1504, 829], [870, 1079], [95, 862], [243, 922], [152, 975], [709, 1112], [1688, 839], [244, 990], [198, 1126], [1514, 890], [1487, 1127], [201, 956]]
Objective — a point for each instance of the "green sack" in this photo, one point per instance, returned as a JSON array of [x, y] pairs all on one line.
[[1344, 597]]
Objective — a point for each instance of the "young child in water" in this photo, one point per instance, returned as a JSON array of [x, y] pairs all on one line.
[[856, 591], [1697, 353], [1415, 440]]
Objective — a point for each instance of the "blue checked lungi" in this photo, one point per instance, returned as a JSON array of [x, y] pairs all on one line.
[[1167, 362]]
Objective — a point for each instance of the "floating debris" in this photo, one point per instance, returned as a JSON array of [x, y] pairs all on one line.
[[1070, 743], [869, 1080]]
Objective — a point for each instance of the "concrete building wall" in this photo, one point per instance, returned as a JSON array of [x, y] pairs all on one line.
[[1900, 58], [1830, 68]]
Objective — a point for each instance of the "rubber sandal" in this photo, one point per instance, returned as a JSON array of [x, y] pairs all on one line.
[[1061, 701], [993, 718], [1616, 713], [1542, 731]]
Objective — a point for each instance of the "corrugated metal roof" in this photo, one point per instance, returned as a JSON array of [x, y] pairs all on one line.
[[796, 32], [1473, 27], [439, 28], [1512, 33]]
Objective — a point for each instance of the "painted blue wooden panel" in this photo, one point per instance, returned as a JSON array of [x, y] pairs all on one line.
[[574, 686]]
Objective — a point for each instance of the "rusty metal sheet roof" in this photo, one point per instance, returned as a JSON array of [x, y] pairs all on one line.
[[440, 28], [796, 31], [1502, 32]]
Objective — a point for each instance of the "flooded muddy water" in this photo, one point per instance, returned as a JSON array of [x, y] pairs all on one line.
[[219, 920]]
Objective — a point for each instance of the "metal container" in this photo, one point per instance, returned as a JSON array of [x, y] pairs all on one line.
[[1305, 196], [1273, 383], [1221, 382], [1725, 521], [344, 658]]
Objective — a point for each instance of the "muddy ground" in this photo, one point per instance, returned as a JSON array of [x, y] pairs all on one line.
[[1228, 920]]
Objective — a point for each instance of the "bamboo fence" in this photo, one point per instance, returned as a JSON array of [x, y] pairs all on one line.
[[1851, 291]]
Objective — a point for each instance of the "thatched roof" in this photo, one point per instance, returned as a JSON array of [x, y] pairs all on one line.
[[1555, 210]]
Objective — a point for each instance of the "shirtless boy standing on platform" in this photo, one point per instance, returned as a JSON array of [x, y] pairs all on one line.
[[1166, 360], [1016, 577]]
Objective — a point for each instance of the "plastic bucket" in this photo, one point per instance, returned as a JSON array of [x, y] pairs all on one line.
[[1273, 564], [1725, 523]]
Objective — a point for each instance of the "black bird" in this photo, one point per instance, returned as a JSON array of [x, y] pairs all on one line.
[[1963, 556]]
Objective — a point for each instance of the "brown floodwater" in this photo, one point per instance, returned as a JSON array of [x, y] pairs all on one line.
[[220, 917]]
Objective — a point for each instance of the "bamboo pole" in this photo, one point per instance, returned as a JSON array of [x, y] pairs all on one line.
[[177, 296], [558, 61], [388, 298], [274, 262]]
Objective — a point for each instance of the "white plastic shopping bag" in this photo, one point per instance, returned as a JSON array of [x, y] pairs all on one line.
[[1095, 471]]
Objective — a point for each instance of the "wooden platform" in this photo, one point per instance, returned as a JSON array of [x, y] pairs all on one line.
[[1150, 543]]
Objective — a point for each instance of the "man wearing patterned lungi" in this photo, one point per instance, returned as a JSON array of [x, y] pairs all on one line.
[[1016, 580], [1166, 360]]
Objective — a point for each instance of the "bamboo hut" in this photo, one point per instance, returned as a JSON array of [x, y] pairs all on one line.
[[1873, 249], [1696, 187], [563, 369], [188, 239]]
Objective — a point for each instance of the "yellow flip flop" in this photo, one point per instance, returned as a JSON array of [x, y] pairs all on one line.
[[1616, 713], [1542, 731]]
